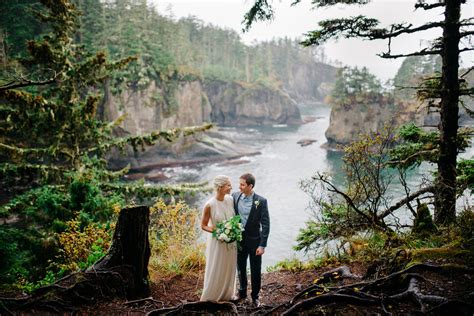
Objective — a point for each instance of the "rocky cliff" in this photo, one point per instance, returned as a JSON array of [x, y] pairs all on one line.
[[237, 104], [192, 103], [310, 81], [146, 110], [347, 122]]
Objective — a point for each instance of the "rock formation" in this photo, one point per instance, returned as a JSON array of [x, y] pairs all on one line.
[[237, 104]]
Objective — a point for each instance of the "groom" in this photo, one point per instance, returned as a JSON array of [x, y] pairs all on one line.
[[253, 211]]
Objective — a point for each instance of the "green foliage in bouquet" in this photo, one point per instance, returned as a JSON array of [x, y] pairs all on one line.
[[229, 231]]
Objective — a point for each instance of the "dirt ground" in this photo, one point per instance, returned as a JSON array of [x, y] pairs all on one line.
[[179, 294], [279, 288]]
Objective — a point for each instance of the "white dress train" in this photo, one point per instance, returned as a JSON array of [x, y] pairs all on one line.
[[221, 257]]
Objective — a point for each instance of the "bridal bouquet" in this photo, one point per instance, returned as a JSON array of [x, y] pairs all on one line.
[[229, 231]]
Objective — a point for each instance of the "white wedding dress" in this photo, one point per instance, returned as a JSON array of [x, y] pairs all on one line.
[[221, 257]]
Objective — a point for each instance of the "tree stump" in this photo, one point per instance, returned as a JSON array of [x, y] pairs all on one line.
[[130, 251]]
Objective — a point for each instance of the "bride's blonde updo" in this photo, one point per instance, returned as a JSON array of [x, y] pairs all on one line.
[[220, 181]]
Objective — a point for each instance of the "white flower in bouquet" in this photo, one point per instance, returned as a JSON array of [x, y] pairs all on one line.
[[222, 237], [229, 231]]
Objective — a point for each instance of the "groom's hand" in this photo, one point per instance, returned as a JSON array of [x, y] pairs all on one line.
[[260, 251]]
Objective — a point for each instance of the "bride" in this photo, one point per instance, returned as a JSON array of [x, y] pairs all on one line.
[[221, 258]]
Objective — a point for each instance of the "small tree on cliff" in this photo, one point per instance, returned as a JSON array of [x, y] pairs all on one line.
[[445, 88], [354, 85]]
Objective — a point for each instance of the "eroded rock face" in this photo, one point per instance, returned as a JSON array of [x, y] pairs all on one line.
[[233, 104], [312, 81], [224, 103], [348, 122], [146, 112]]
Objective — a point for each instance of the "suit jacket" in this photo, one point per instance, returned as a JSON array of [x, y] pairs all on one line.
[[258, 224]]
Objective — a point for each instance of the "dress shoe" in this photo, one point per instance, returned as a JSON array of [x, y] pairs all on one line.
[[256, 303], [238, 299]]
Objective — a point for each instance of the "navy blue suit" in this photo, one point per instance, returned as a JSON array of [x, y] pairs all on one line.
[[255, 235]]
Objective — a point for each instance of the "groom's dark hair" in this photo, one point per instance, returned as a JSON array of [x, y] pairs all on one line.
[[249, 179]]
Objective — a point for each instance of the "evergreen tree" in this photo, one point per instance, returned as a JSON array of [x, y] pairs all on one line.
[[53, 148]]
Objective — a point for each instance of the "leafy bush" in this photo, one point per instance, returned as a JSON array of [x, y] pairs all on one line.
[[54, 223], [80, 248], [175, 248], [465, 222]]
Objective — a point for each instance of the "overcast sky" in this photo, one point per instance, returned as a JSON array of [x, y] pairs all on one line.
[[295, 21]]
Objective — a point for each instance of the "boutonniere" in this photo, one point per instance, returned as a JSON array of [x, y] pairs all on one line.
[[257, 203]]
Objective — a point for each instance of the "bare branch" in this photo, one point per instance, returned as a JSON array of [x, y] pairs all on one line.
[[468, 33], [467, 72], [469, 91], [415, 155], [427, 6], [404, 201], [422, 52], [467, 49], [402, 29], [348, 199]]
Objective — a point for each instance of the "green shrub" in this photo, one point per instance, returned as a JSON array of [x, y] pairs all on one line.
[[465, 222]]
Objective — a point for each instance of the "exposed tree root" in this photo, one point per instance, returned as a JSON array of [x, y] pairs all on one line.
[[209, 307], [392, 289], [72, 291]]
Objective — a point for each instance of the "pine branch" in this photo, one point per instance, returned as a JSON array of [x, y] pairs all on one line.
[[469, 91], [150, 139], [18, 151], [9, 167], [24, 82], [154, 191], [260, 11], [401, 29], [361, 27]]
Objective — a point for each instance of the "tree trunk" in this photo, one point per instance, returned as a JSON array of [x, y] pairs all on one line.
[[445, 200], [130, 251], [3, 48]]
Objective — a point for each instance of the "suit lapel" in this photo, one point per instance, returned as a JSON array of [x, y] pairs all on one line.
[[236, 204], [252, 209]]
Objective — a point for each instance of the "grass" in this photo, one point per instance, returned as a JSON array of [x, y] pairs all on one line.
[[174, 238]]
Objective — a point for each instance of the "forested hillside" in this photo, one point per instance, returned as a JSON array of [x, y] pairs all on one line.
[[165, 47]]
